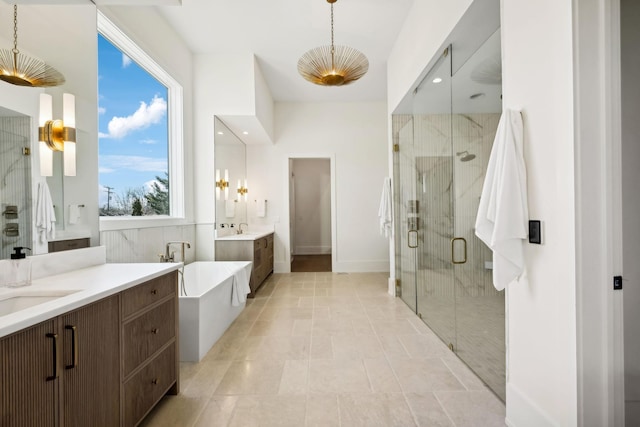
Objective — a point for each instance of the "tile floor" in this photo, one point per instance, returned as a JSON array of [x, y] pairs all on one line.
[[325, 349]]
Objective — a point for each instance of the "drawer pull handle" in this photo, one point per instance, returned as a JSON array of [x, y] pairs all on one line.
[[154, 292], [55, 356], [154, 381], [155, 331], [74, 346]]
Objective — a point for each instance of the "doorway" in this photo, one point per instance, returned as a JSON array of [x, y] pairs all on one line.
[[310, 214]]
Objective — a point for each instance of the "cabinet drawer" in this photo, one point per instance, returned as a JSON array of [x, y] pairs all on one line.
[[141, 296], [144, 389], [66, 245], [145, 334]]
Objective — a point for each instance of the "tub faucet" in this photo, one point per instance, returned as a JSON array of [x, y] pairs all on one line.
[[240, 231], [170, 256]]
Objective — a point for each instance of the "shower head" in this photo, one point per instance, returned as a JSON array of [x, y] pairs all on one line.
[[466, 156]]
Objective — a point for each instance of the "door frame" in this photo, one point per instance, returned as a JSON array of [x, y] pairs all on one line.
[[334, 223], [598, 206]]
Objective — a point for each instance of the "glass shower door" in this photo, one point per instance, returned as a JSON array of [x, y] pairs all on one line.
[[434, 197]]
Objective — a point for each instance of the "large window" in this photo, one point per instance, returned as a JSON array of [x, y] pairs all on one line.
[[140, 131]]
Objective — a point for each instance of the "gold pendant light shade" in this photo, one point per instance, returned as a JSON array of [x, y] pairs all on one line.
[[333, 65], [338, 68], [22, 70]]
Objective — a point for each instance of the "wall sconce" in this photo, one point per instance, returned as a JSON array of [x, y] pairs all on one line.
[[57, 135], [243, 190], [222, 184]]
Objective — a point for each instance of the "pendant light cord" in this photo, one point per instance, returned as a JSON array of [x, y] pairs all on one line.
[[333, 49], [15, 29]]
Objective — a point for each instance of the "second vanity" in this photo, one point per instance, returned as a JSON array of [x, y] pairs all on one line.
[[254, 246], [99, 348]]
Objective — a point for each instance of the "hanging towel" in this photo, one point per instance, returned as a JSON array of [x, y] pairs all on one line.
[[503, 213], [385, 210], [230, 208], [240, 286], [74, 214], [261, 209], [45, 215]]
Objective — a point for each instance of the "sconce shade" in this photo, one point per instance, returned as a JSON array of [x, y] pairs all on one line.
[[222, 184], [57, 135], [242, 190]]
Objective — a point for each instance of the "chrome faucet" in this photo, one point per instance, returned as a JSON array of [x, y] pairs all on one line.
[[170, 256], [240, 231]]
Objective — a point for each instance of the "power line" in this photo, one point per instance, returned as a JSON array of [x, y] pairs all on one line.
[[109, 191]]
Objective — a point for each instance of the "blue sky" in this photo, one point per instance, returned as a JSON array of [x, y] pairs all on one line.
[[132, 123]]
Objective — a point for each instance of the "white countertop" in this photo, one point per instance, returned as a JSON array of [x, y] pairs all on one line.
[[246, 236], [92, 283]]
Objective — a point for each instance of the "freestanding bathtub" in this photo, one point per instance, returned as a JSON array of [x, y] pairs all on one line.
[[206, 312]]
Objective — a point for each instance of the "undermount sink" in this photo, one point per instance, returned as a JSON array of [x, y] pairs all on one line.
[[20, 299]]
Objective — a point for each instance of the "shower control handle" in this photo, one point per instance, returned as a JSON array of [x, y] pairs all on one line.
[[409, 239], [453, 258]]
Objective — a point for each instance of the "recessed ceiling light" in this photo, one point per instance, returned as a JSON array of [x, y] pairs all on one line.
[[245, 132], [220, 133], [437, 80]]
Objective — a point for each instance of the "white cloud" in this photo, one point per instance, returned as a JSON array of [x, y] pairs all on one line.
[[102, 110], [145, 116], [103, 135], [148, 141], [126, 61], [135, 163], [105, 170]]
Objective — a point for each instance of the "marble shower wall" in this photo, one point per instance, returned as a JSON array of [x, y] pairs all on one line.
[[448, 199], [15, 182], [145, 244]]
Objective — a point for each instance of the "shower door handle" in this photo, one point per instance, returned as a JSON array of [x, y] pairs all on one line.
[[409, 239], [453, 258]]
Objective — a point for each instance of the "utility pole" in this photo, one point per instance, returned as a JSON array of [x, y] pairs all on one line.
[[109, 191]]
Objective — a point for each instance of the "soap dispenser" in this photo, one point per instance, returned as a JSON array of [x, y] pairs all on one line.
[[20, 274]]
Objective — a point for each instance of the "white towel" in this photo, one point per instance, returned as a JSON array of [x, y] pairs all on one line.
[[503, 213], [261, 209], [385, 209], [45, 215], [74, 213], [230, 208], [240, 286]]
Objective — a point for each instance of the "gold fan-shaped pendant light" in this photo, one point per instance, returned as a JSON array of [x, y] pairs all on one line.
[[333, 65], [21, 70]]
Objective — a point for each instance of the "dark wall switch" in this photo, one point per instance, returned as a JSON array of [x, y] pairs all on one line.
[[535, 232], [617, 283]]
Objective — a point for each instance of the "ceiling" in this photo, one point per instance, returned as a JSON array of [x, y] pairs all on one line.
[[278, 32]]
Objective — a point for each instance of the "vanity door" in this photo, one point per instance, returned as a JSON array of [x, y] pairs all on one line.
[[30, 377], [91, 364]]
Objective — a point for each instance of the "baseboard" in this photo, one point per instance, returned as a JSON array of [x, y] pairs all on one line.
[[523, 412], [362, 266], [313, 250]]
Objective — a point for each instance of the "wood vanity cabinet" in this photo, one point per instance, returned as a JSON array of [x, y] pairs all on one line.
[[258, 251], [65, 369], [69, 244], [105, 364]]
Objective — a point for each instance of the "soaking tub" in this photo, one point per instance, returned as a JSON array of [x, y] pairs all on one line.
[[207, 310]]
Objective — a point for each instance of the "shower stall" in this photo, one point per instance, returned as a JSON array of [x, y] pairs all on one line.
[[443, 134]]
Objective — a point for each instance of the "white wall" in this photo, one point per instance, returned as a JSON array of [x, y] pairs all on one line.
[[630, 38], [356, 134], [312, 179], [537, 79]]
